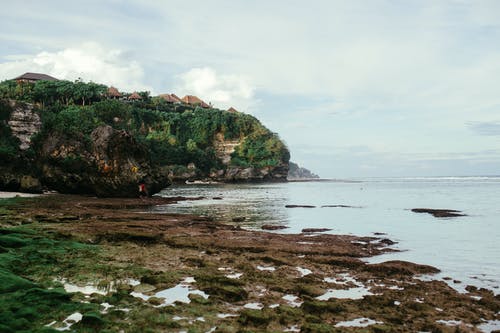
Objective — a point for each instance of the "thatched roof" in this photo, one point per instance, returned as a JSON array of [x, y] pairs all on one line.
[[232, 110], [35, 77], [113, 92], [135, 96], [177, 98], [170, 98], [193, 100]]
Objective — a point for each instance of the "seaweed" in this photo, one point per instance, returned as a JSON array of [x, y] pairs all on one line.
[[26, 305]]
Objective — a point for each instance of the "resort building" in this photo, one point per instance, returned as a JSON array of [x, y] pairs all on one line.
[[195, 101], [171, 98], [113, 93], [135, 97], [33, 77]]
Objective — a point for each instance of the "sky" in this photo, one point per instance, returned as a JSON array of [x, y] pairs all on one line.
[[378, 88]]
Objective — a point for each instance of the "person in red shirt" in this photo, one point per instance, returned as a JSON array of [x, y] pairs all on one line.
[[143, 192]]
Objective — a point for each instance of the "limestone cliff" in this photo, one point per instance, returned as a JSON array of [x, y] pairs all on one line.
[[108, 148], [23, 122], [296, 172], [111, 164]]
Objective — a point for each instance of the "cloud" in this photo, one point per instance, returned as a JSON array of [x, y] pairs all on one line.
[[89, 61], [485, 128], [222, 90]]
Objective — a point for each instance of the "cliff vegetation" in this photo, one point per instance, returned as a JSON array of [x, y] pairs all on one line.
[[84, 141]]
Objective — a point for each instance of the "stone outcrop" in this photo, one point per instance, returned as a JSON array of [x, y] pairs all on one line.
[[223, 151], [296, 172], [224, 148], [24, 122], [112, 166], [111, 162]]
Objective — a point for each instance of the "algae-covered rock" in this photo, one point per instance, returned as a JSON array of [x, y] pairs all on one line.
[[11, 282], [11, 241], [91, 320], [318, 328], [250, 317]]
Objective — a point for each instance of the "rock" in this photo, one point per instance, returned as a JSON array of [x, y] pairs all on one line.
[[307, 230], [387, 241], [238, 219], [273, 227], [111, 167], [398, 267], [24, 122], [299, 206], [30, 184], [439, 212], [295, 172]]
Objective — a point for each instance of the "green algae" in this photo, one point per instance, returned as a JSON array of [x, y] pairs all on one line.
[[26, 305]]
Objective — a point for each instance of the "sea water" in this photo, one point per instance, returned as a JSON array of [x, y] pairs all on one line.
[[464, 248]]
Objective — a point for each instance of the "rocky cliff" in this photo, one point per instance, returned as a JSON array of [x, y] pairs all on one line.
[[296, 172], [113, 164], [108, 148]]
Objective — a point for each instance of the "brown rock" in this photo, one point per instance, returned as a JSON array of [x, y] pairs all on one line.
[[315, 230], [439, 212], [273, 227]]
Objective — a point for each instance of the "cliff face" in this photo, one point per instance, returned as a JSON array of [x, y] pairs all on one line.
[[296, 172], [108, 149], [112, 165], [23, 122]]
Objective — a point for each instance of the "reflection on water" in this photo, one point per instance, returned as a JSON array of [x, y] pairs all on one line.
[[249, 206]]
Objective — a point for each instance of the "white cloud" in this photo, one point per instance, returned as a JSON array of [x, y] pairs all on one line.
[[89, 61], [222, 90]]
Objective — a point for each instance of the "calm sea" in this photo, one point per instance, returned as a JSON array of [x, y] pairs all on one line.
[[464, 248]]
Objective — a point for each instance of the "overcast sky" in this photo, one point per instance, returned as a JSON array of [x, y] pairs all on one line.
[[355, 88]]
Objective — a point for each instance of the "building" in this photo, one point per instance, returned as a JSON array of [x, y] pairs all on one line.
[[33, 77], [232, 110], [135, 97], [170, 98], [195, 101], [113, 93]]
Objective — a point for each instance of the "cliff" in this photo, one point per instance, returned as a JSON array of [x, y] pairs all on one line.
[[108, 147], [296, 172]]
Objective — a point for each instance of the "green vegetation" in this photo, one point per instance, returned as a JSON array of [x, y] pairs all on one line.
[[8, 144], [53, 92], [28, 263], [174, 135]]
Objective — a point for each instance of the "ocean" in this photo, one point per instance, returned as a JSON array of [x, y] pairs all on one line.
[[467, 248]]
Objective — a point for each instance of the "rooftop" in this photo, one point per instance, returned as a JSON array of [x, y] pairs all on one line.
[[35, 77]]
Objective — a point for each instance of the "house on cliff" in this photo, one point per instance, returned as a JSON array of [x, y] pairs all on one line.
[[194, 101], [171, 98], [113, 93], [134, 97], [33, 77]]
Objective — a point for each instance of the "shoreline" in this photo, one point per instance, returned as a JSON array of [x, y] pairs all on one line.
[[237, 267]]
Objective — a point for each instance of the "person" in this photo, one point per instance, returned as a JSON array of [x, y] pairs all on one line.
[[143, 192]]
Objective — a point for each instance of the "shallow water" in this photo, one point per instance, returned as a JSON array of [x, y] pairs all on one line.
[[464, 248]]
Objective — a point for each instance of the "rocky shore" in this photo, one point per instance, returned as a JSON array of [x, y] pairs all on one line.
[[119, 268]]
